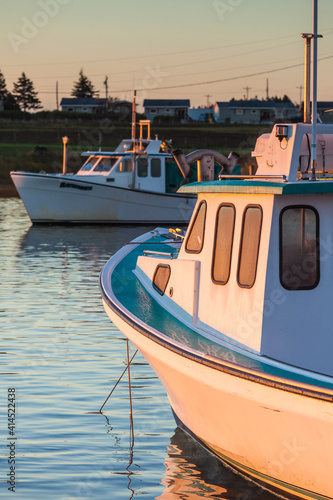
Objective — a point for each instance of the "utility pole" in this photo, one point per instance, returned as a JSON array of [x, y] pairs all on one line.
[[106, 92], [267, 90], [208, 96], [247, 92], [300, 96], [57, 98]]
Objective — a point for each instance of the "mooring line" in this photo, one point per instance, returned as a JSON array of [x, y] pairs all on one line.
[[119, 379]]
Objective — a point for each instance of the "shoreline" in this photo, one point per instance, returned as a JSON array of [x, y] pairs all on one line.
[[8, 191]]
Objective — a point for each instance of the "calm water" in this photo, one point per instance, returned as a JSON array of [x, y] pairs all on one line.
[[62, 355]]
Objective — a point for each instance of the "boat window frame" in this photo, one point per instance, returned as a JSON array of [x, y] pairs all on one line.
[[157, 288], [139, 167], [231, 205], [315, 211], [153, 167], [242, 285], [203, 202]]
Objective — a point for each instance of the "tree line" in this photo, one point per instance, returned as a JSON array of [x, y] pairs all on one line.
[[24, 96]]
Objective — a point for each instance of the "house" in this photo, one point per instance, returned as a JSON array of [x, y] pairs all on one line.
[[83, 105], [177, 108], [201, 115], [254, 111]]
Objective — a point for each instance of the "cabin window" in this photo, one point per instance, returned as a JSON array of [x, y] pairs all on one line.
[[90, 163], [104, 165], [195, 238], [125, 165], [224, 233], [299, 248], [161, 278], [142, 167], [249, 247], [155, 167]]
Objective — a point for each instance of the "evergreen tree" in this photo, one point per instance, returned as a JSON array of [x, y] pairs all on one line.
[[25, 94], [83, 87], [10, 103], [3, 87]]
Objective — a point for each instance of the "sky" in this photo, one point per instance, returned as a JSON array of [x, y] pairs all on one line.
[[202, 50]]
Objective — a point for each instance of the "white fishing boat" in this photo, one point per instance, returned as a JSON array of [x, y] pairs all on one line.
[[136, 183], [235, 316]]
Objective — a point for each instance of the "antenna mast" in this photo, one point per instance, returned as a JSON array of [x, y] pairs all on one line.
[[314, 89]]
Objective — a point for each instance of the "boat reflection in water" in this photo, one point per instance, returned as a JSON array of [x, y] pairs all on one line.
[[192, 473]]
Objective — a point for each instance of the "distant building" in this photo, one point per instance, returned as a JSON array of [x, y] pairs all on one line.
[[121, 107], [177, 108], [83, 105], [201, 115], [254, 111]]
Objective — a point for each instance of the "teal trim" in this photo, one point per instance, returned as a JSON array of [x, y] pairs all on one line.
[[259, 187], [131, 294]]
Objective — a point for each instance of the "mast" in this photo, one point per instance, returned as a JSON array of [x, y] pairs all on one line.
[[134, 118], [314, 89]]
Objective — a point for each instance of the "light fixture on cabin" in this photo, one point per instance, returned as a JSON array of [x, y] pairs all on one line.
[[281, 132]]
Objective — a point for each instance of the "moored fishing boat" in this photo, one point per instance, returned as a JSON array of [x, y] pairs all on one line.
[[136, 183], [235, 316]]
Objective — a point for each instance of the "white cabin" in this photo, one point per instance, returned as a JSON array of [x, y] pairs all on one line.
[[256, 265]]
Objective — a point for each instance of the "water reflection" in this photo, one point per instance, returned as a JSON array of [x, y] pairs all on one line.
[[192, 474], [89, 242]]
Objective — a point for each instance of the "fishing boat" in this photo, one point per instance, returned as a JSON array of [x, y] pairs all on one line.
[[135, 183], [235, 315]]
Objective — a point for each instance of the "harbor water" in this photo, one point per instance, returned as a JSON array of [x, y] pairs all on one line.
[[60, 358]]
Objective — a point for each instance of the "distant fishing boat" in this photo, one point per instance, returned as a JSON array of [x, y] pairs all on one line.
[[235, 316], [135, 183]]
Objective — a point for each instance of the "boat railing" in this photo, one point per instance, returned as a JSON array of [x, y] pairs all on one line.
[[252, 177]]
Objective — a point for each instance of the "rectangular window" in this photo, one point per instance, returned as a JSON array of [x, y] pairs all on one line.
[[194, 242], [142, 167], [224, 234], [299, 248], [249, 247], [125, 165], [155, 167], [161, 278]]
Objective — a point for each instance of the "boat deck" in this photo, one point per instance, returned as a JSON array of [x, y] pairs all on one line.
[[124, 293]]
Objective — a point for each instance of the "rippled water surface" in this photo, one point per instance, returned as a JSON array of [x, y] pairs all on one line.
[[62, 355]]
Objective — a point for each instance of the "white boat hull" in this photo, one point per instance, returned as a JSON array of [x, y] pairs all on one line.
[[67, 199], [281, 438]]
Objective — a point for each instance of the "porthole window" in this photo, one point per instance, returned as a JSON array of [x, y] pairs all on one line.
[[194, 242], [249, 248], [299, 248], [224, 233], [161, 278]]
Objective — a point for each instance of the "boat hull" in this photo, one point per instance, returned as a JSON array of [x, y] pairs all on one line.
[[67, 199], [282, 439]]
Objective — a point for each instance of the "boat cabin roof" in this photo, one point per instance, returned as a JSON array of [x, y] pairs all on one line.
[[142, 146]]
